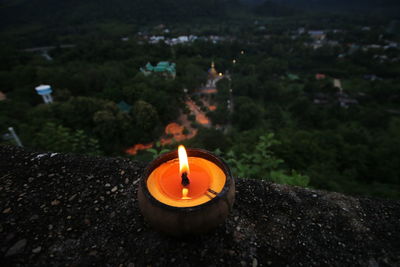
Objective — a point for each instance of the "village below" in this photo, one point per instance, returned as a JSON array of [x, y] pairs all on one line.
[[306, 99]]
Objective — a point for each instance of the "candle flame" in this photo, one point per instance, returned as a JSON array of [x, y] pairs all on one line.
[[185, 192], [183, 160]]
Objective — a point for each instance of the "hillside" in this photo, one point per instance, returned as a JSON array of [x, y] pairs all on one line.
[[65, 13], [77, 12], [342, 5]]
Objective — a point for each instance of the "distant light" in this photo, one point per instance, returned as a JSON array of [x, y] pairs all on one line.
[[234, 61], [242, 52], [220, 74]]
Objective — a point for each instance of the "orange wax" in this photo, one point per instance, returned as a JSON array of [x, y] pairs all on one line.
[[206, 180]]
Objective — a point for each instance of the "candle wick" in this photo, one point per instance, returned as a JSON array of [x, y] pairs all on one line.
[[185, 179]]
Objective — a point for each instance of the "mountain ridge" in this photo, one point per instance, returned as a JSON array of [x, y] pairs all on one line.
[[64, 13]]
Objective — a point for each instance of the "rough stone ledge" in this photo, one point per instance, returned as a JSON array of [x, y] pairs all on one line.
[[61, 209]]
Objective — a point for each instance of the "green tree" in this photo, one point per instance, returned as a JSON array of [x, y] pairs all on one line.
[[146, 117], [57, 138], [263, 164], [247, 113]]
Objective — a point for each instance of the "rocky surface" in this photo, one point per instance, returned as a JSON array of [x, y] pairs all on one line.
[[59, 209]]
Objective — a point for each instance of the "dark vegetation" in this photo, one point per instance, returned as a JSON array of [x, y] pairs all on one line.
[[276, 130]]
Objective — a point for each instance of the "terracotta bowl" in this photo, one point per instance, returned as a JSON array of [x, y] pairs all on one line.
[[181, 221]]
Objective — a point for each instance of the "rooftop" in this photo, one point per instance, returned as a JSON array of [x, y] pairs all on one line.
[[123, 106], [62, 209], [162, 66]]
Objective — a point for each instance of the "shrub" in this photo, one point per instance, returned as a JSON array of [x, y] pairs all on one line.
[[262, 163]]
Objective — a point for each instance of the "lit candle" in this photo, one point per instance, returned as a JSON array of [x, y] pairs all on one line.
[[186, 181], [185, 194]]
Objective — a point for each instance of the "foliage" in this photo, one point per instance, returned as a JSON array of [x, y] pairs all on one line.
[[209, 139], [157, 150], [247, 114], [355, 150], [145, 115], [262, 163], [61, 139]]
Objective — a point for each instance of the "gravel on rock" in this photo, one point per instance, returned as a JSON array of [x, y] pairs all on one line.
[[62, 209]]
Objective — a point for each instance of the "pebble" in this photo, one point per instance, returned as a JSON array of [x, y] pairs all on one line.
[[115, 188], [72, 197], [37, 250], [107, 185], [55, 202], [17, 248], [7, 210], [255, 262], [93, 253]]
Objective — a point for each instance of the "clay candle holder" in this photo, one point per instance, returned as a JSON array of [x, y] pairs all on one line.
[[185, 195]]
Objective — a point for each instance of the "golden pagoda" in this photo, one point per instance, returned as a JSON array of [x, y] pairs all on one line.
[[212, 72]]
